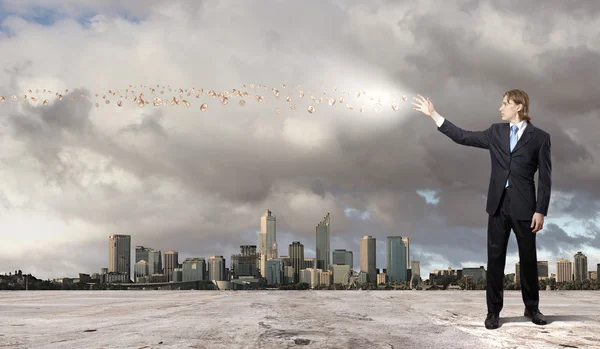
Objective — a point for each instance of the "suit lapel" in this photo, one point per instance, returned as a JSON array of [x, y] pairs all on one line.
[[525, 137], [505, 137]]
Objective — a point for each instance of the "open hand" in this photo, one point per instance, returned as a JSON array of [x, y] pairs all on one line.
[[537, 222], [423, 105]]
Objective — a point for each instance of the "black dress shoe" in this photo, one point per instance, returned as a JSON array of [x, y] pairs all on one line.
[[536, 316], [491, 321]]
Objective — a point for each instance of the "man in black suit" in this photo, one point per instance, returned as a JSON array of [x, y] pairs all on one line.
[[517, 150]]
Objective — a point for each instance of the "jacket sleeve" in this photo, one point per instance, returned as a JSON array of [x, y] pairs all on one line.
[[478, 139], [544, 178]]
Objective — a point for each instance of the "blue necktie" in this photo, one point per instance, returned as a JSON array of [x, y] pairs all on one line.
[[513, 141]]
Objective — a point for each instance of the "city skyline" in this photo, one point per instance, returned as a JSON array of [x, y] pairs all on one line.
[[179, 178], [117, 262]]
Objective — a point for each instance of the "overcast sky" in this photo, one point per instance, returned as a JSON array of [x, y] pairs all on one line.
[[175, 177]]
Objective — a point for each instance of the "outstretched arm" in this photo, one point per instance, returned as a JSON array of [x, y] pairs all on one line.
[[478, 139]]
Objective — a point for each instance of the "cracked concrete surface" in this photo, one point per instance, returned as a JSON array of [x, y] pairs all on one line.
[[291, 319]]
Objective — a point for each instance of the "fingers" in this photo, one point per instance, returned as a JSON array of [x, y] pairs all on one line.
[[537, 225], [421, 99]]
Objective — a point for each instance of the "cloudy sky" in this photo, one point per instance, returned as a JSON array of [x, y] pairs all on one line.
[[175, 177]]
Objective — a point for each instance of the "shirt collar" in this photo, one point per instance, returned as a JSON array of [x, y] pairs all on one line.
[[520, 124]]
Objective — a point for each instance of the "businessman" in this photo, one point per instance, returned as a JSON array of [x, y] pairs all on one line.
[[517, 150]]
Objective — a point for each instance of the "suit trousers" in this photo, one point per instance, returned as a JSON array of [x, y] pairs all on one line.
[[499, 227]]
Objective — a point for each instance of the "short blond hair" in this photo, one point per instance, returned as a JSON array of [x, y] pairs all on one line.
[[519, 97]]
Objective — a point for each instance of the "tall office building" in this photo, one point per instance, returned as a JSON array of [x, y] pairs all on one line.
[[296, 255], [416, 272], [141, 253], [542, 268], [407, 244], [140, 269], [342, 257], [563, 271], [245, 263], [395, 257], [155, 265], [368, 256], [193, 269], [580, 264], [267, 239], [350, 259], [119, 254], [216, 268], [171, 262], [323, 251]]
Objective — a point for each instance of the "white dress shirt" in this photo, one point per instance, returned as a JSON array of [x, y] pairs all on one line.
[[522, 125]]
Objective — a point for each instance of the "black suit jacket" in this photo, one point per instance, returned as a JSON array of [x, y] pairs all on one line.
[[531, 153]]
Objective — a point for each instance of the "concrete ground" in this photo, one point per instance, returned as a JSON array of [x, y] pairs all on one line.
[[291, 319]]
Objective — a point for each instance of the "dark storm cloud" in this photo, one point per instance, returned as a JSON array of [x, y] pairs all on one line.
[[559, 243]]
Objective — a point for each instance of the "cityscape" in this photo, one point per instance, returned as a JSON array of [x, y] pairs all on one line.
[[260, 266]]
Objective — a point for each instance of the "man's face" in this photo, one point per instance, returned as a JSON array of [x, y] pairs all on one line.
[[508, 110]]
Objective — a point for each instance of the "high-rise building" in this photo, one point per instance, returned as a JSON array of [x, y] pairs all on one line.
[[309, 263], [245, 263], [140, 270], [155, 265], [216, 268], [415, 273], [171, 262], [193, 269], [296, 255], [542, 269], [274, 273], [580, 264], [395, 257], [119, 254], [407, 244], [267, 239], [323, 251], [141, 252], [350, 259], [564, 271], [338, 257], [368, 256]]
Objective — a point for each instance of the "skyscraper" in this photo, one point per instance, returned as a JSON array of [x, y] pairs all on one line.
[[193, 269], [141, 253], [542, 267], [155, 262], [395, 257], [580, 266], [416, 273], [368, 252], [171, 262], [119, 254], [296, 255], [563, 270], [245, 263], [216, 268], [267, 239], [407, 244], [342, 257], [323, 252]]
